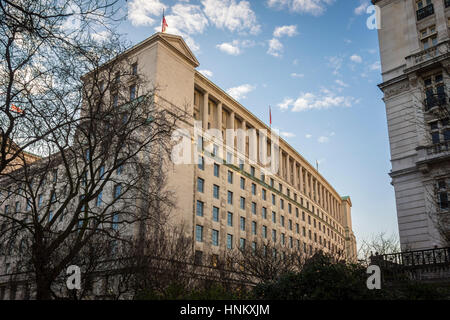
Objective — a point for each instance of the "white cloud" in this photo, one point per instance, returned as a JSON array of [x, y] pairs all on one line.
[[287, 134], [356, 58], [207, 73], [232, 15], [230, 48], [285, 104], [314, 7], [289, 31], [275, 47], [297, 75], [101, 35], [310, 101], [341, 83], [308, 136], [348, 41], [323, 139], [361, 9], [234, 47], [335, 63], [241, 91], [376, 66], [295, 62], [140, 11]]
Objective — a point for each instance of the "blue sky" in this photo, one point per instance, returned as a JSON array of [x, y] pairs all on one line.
[[316, 63]]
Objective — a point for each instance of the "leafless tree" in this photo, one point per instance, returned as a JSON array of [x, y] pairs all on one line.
[[377, 244], [102, 144]]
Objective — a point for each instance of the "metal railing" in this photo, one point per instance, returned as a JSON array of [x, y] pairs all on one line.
[[414, 259], [425, 12]]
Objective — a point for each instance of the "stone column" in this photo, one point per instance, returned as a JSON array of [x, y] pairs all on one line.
[[205, 111], [219, 116]]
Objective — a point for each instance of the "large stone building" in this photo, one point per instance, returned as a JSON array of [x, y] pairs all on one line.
[[228, 197], [414, 45]]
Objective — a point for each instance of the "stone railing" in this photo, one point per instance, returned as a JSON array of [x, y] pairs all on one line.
[[428, 54]]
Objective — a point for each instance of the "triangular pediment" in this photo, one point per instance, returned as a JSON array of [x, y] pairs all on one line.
[[177, 43]]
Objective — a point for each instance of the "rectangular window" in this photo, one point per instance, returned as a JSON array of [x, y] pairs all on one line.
[[271, 182], [230, 219], [216, 170], [200, 185], [215, 237], [199, 233], [201, 163], [99, 199], [242, 224], [282, 204], [253, 189], [215, 214], [117, 190], [242, 203], [282, 221], [253, 227], [273, 199], [242, 243], [254, 207], [274, 217], [229, 241], [134, 69], [264, 232], [264, 195], [274, 236], [216, 191], [242, 183], [230, 177], [230, 197], [264, 213], [132, 92], [200, 208], [252, 171]]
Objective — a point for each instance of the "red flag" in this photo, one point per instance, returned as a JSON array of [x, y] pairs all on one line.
[[16, 109], [270, 115], [164, 23]]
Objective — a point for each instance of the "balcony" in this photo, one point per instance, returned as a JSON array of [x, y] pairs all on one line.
[[435, 100], [425, 12], [438, 148], [428, 56]]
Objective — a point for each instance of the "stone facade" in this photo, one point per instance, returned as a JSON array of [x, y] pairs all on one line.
[[302, 209], [414, 47]]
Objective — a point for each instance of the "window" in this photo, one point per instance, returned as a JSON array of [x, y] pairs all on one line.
[[201, 163], [271, 182], [230, 177], [274, 217], [115, 221], [264, 194], [215, 238], [229, 241], [230, 197], [200, 143], [50, 215], [215, 214], [199, 233], [117, 77], [242, 203], [280, 187], [253, 246], [6, 209], [289, 208], [115, 100], [264, 213], [134, 69], [442, 195], [274, 236], [273, 199], [99, 199], [424, 9], [242, 243], [253, 189], [282, 204], [132, 92], [242, 183], [290, 224], [252, 171], [242, 224], [283, 239], [198, 257], [216, 191], [254, 207], [264, 232], [297, 228], [17, 206], [200, 185], [117, 190], [282, 221], [216, 170], [200, 205], [253, 227], [263, 177], [229, 157], [230, 219]]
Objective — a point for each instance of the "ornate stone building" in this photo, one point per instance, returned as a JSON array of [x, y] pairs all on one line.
[[414, 46]]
